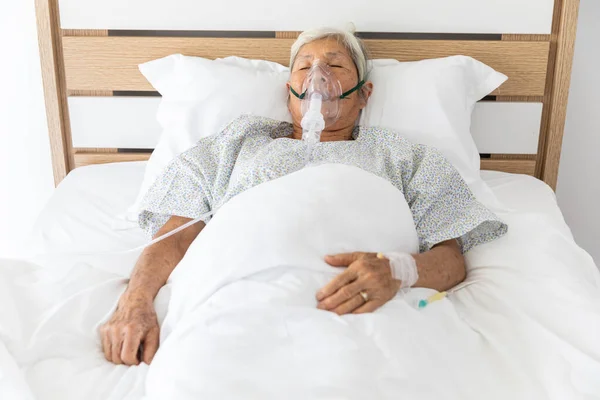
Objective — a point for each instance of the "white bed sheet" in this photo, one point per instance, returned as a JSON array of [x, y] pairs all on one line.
[[84, 215], [86, 211]]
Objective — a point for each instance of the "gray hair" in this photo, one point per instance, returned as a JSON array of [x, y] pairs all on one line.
[[353, 45]]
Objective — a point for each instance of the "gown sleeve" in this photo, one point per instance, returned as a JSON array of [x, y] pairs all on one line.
[[196, 181], [183, 189], [442, 204]]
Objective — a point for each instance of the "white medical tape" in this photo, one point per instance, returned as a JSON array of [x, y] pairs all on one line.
[[403, 267]]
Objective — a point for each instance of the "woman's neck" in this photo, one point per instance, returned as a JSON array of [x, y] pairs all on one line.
[[327, 135]]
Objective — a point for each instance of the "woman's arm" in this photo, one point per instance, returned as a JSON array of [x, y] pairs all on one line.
[[441, 268], [158, 261], [134, 322]]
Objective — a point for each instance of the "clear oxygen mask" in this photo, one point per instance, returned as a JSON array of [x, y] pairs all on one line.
[[321, 103], [321, 99]]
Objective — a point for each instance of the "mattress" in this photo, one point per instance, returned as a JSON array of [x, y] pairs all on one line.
[[49, 347]]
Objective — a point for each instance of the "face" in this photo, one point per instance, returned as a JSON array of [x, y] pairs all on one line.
[[329, 51]]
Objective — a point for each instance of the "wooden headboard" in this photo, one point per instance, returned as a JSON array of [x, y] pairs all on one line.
[[93, 62]]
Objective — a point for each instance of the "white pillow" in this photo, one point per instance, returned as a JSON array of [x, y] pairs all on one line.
[[430, 102], [200, 97]]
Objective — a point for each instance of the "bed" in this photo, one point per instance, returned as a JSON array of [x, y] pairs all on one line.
[[524, 325]]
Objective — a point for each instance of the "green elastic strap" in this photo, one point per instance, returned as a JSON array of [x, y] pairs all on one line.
[[354, 89], [343, 96], [300, 96]]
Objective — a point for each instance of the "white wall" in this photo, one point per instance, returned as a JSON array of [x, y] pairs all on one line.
[[578, 189], [474, 16], [25, 169]]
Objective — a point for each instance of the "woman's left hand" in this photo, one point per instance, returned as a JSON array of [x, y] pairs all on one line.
[[363, 287]]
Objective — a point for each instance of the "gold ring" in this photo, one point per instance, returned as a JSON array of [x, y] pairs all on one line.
[[365, 296], [380, 256]]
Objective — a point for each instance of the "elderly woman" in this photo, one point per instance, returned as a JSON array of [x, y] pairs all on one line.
[[253, 150]]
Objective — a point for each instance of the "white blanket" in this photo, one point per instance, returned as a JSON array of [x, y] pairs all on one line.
[[242, 322]]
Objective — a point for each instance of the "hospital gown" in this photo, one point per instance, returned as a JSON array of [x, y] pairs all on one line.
[[252, 150]]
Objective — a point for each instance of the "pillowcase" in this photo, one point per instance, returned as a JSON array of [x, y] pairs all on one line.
[[430, 102], [200, 97]]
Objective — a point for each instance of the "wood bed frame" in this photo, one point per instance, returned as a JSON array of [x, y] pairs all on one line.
[[104, 63]]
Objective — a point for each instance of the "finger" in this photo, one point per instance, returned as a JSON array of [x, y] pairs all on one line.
[[368, 307], [105, 344], [151, 345], [116, 341], [350, 305], [342, 260], [131, 345], [343, 294], [336, 283]]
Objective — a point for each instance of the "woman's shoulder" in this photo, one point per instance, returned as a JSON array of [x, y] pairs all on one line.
[[256, 125], [244, 126], [395, 141], [236, 132], [232, 138], [382, 134]]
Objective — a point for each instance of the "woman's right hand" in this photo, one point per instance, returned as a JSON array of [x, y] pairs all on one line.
[[133, 324]]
